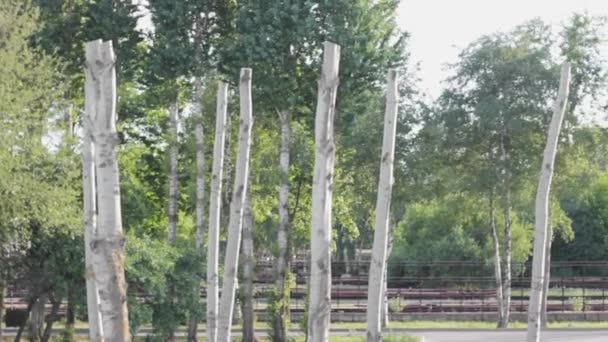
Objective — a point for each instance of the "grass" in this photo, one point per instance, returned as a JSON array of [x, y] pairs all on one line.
[[425, 324]]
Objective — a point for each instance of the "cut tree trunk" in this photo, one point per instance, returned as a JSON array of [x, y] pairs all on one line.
[[236, 208], [497, 269], [282, 264], [215, 205], [544, 319], [197, 112], [377, 269], [37, 318], [173, 152], [89, 199], [385, 303], [247, 267], [319, 308], [541, 210], [108, 244], [506, 267]]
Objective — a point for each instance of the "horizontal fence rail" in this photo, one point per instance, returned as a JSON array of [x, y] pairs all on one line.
[[421, 288]]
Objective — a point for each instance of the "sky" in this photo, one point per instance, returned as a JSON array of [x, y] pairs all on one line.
[[441, 28]]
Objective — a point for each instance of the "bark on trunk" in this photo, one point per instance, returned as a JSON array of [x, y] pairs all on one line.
[[377, 270], [541, 210], [215, 205], [506, 286], [37, 318], [108, 244], [50, 320], [319, 308], [89, 199], [70, 315], [385, 304], [282, 266], [247, 273], [30, 305], [173, 152], [200, 194], [2, 296], [497, 269], [544, 319], [236, 208]]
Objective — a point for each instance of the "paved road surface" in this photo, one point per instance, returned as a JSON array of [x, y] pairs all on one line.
[[571, 335]]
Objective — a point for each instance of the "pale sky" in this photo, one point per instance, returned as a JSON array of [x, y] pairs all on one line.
[[441, 28]]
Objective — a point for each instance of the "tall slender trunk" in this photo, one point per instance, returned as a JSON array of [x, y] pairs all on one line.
[[377, 269], [497, 269], [173, 152], [236, 208], [51, 318], [506, 267], [281, 320], [37, 318], [544, 318], [385, 304], [89, 200], [2, 296], [345, 257], [247, 273], [541, 209], [197, 112], [70, 315], [215, 205], [319, 308], [28, 310], [108, 244]]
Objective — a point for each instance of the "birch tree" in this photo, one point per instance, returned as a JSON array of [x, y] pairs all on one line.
[[89, 199], [248, 272], [108, 245], [236, 208], [541, 210], [200, 191], [173, 152], [282, 261], [319, 308], [377, 270], [215, 205]]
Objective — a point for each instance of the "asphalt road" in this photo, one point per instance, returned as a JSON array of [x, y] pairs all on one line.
[[513, 335]]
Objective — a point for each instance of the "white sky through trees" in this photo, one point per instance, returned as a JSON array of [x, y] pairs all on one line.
[[440, 29]]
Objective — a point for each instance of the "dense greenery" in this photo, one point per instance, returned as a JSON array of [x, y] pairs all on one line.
[[479, 144]]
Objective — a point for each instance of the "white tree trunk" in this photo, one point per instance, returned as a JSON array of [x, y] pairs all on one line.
[[385, 304], [197, 112], [236, 208], [282, 266], [319, 309], [37, 317], [545, 296], [215, 206], [108, 244], [90, 211], [377, 267], [500, 303], [541, 210], [248, 273], [173, 152], [508, 256]]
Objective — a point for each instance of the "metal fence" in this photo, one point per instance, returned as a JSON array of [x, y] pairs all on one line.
[[449, 286], [431, 287]]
